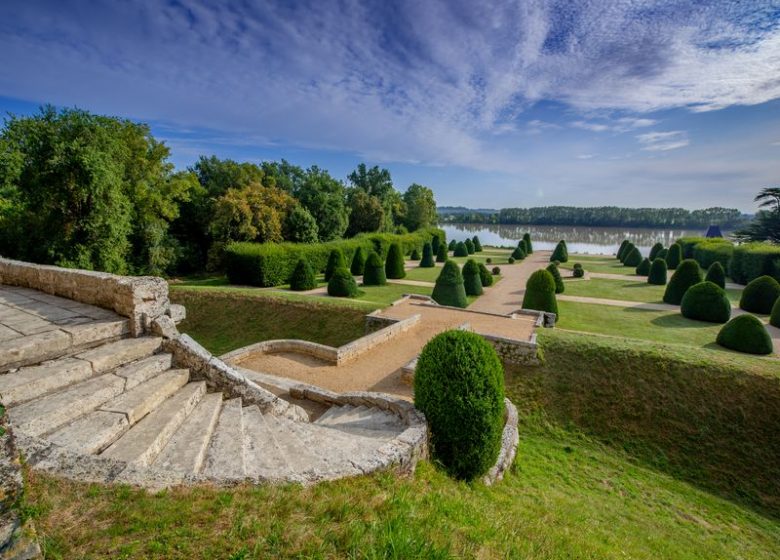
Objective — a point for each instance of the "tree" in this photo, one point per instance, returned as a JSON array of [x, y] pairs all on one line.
[[325, 198], [766, 224], [300, 226], [303, 277], [478, 245], [420, 207], [469, 246], [658, 272], [252, 213], [377, 182], [374, 272], [687, 274], [654, 251], [674, 256], [335, 260], [561, 253], [342, 283], [366, 212]]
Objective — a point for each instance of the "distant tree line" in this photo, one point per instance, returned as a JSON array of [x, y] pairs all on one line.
[[96, 192], [603, 216]]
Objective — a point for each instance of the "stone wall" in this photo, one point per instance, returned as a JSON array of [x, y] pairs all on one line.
[[364, 344], [510, 438], [513, 351]]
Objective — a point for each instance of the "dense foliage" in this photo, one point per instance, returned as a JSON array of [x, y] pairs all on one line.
[[335, 260], [686, 275], [342, 283], [774, 318], [303, 277], [578, 271], [644, 267], [449, 289], [485, 276], [518, 253], [394, 263], [529, 248], [469, 246], [459, 386], [626, 251], [674, 256], [540, 292], [766, 224], [658, 271], [633, 258], [461, 250], [716, 274], [472, 281], [760, 295], [654, 251], [441, 253], [374, 272], [751, 260], [477, 244], [552, 268], [745, 333], [427, 256], [621, 249], [560, 253], [358, 265], [706, 301]]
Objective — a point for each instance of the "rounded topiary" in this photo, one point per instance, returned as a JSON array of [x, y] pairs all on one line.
[[657, 275], [394, 265], [358, 265], [529, 248], [342, 283], [374, 272], [760, 295], [415, 256], [469, 246], [518, 254], [427, 257], [303, 277], [488, 261], [472, 282], [706, 301], [687, 274], [654, 250], [435, 243], [560, 253], [662, 254], [461, 250], [674, 256], [451, 246], [449, 288], [335, 260], [524, 246], [626, 250], [621, 250], [459, 386], [774, 318], [496, 271], [477, 244], [633, 258], [485, 276], [511, 260], [716, 274], [540, 292], [745, 333], [441, 254], [556, 274], [644, 268], [578, 272]]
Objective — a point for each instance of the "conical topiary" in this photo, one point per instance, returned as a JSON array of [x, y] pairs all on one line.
[[556, 274], [716, 275], [657, 274], [706, 301], [634, 258], [760, 295], [415, 256], [774, 318], [441, 254], [621, 249], [335, 260], [626, 250], [560, 253], [523, 245], [472, 282], [394, 265], [427, 257], [687, 274], [654, 251], [745, 333], [518, 254], [461, 250], [449, 288], [342, 283], [358, 262], [477, 244], [485, 276], [469, 246], [303, 277], [674, 256], [374, 272], [662, 254], [540, 292], [644, 267], [435, 242], [529, 248], [451, 246]]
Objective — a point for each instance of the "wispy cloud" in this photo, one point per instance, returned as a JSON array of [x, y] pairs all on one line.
[[663, 141]]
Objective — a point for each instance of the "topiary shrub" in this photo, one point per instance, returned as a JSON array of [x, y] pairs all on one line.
[[556, 274], [374, 272], [633, 258], [626, 250], [529, 248], [540, 292], [644, 268], [518, 254], [469, 246], [496, 271], [560, 253], [687, 274], [427, 257], [524, 246], [449, 288], [657, 274], [461, 250], [394, 265], [459, 386], [662, 254], [452, 245], [760, 295], [342, 283], [358, 263], [706, 301], [415, 256], [435, 244], [477, 244], [335, 260], [488, 261], [578, 271], [716, 274], [745, 333], [472, 282], [441, 254], [774, 318], [621, 250], [654, 250], [303, 278], [674, 256], [485, 276], [511, 260]]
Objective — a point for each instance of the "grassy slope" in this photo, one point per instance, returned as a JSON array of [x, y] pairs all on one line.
[[625, 290]]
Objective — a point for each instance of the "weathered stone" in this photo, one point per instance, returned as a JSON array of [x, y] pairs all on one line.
[[177, 312], [165, 327], [225, 456], [142, 399], [32, 349], [91, 433], [33, 381], [109, 356], [141, 370]]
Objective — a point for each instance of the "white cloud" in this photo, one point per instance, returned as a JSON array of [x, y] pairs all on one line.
[[663, 141], [593, 127], [586, 156]]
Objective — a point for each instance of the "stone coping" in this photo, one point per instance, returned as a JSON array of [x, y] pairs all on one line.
[[510, 438]]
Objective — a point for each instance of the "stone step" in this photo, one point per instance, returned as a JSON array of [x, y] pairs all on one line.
[[144, 441], [31, 382], [142, 399], [91, 433], [33, 349], [301, 457], [141, 370], [52, 411], [225, 455], [93, 332], [186, 450], [334, 414], [115, 354], [263, 453]]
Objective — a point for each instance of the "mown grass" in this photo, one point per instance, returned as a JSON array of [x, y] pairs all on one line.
[[625, 290], [605, 265]]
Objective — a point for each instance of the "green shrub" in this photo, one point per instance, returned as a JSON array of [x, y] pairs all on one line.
[[626, 250], [774, 318], [633, 258], [529, 248], [511, 260], [394, 265], [488, 261], [518, 254], [496, 271], [745, 333], [657, 274], [578, 271], [459, 386], [436, 242], [335, 260], [644, 267], [760, 295], [374, 272], [469, 246], [560, 253], [621, 250], [415, 256], [358, 265], [688, 243], [477, 244], [751, 260], [485, 276], [706, 301], [662, 254], [441, 254], [556, 274], [472, 282], [713, 250], [342, 283], [461, 250], [303, 277], [427, 257], [716, 274], [686, 275], [654, 251], [540, 292], [524, 246], [452, 245], [449, 289], [674, 256]]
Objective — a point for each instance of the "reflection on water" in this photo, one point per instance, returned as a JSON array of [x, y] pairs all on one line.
[[587, 240]]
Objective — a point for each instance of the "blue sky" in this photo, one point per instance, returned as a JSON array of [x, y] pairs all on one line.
[[491, 104]]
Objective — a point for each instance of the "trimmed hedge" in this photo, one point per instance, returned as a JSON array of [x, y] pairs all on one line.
[[560, 253], [358, 262], [626, 251], [518, 254], [303, 277], [436, 242], [688, 243], [657, 274], [662, 254], [760, 295], [529, 248], [713, 250], [469, 246], [706, 301], [540, 292], [485, 276], [716, 274], [335, 260], [774, 318], [654, 251], [461, 250], [552, 268], [427, 257], [633, 258], [342, 283], [394, 264], [472, 281], [644, 267], [415, 256], [621, 250], [496, 271], [441, 254], [451, 246], [687, 274], [578, 271], [449, 288], [745, 333], [459, 386], [374, 272], [673, 256], [511, 260], [751, 260], [477, 244]]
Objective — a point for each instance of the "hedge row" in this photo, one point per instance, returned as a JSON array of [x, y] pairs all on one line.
[[272, 264], [752, 260]]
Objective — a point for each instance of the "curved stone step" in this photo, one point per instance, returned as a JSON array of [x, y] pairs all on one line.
[[142, 399], [225, 454], [114, 354], [32, 382], [139, 371], [264, 455]]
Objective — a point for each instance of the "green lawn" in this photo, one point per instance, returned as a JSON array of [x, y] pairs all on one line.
[[625, 290], [423, 274], [599, 264]]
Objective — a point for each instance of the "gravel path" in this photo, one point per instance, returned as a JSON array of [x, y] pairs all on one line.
[[507, 296], [627, 278]]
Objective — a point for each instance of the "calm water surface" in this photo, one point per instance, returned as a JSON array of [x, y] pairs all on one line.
[[586, 240]]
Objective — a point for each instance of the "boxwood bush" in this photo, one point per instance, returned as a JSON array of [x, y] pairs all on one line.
[[654, 251], [621, 249], [485, 276], [662, 254], [511, 260], [713, 250], [477, 244], [496, 271], [633, 258], [459, 386], [686, 275], [529, 248], [415, 256], [449, 288], [673, 256], [774, 318], [374, 272], [716, 274], [469, 246], [342, 283], [560, 253], [578, 271], [540, 292], [760, 295], [427, 256], [335, 260], [706, 301], [303, 277], [461, 250], [451, 246], [751, 260], [552, 268], [688, 243], [358, 265], [518, 254], [472, 282], [394, 264], [441, 253], [436, 241], [626, 250], [745, 333], [657, 274], [644, 267]]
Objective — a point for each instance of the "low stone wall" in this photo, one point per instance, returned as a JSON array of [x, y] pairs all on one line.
[[510, 438], [374, 322], [514, 351], [364, 344]]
